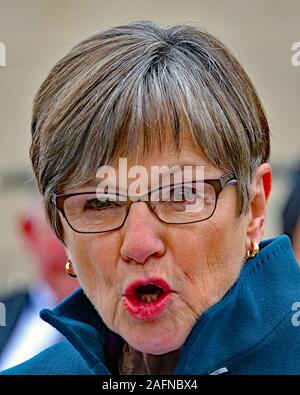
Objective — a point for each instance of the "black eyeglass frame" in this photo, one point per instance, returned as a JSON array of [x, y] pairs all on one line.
[[218, 184]]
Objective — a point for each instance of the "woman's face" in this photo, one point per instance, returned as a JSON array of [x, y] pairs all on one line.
[[198, 261]]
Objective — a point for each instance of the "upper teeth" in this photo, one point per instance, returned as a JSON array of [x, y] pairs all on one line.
[[149, 297]]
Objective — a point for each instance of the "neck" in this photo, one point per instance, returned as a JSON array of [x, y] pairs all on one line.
[[135, 362]]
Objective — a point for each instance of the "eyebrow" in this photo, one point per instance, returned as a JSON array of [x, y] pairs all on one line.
[[190, 164], [181, 165]]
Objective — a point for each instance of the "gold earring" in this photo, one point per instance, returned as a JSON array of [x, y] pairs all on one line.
[[69, 269], [254, 251]]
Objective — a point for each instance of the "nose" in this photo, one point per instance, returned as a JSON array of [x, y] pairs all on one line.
[[142, 235]]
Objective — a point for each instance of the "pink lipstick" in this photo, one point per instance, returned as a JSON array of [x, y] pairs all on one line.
[[146, 299]]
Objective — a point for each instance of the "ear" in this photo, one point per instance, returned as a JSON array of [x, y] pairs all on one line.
[[67, 252], [260, 191]]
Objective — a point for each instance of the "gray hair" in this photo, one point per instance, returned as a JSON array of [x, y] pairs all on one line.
[[125, 86]]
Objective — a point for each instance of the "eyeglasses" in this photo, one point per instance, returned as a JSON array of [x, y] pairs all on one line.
[[187, 202]]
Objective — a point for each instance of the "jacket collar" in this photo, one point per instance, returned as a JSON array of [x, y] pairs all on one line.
[[239, 321], [77, 320]]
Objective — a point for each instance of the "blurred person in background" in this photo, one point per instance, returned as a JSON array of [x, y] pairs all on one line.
[[25, 333], [291, 213]]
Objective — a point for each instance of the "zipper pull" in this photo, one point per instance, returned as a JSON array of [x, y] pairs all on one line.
[[223, 370]]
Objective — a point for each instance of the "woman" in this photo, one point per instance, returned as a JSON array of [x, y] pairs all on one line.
[[181, 285]]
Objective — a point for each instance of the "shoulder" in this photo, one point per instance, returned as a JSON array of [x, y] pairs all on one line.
[[277, 353], [60, 359]]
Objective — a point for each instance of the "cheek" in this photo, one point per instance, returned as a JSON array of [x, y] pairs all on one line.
[[95, 260], [204, 243], [209, 259]]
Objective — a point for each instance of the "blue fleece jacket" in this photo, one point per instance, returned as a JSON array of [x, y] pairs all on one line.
[[253, 329]]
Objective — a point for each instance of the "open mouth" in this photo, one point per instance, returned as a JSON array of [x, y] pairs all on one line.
[[149, 293], [146, 299]]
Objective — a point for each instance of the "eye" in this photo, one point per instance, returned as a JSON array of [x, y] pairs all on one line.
[[183, 194], [96, 204]]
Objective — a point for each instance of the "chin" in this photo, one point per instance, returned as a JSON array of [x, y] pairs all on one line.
[[155, 344], [155, 349]]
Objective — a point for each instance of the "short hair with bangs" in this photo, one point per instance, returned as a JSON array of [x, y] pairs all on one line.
[[121, 87]]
